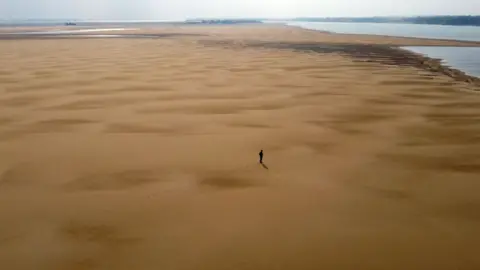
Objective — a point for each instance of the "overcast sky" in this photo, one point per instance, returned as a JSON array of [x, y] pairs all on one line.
[[182, 9]]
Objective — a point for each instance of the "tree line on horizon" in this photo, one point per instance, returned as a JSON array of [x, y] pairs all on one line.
[[440, 20]]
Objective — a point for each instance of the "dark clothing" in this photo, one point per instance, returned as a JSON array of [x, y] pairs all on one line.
[[261, 156]]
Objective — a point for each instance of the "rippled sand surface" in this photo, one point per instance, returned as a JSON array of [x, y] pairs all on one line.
[[142, 154]]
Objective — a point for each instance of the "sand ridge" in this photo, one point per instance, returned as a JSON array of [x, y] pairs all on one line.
[[142, 153]]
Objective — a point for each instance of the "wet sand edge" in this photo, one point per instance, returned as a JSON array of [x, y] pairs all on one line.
[[383, 54]]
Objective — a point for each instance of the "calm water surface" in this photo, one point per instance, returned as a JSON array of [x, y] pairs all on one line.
[[465, 59]]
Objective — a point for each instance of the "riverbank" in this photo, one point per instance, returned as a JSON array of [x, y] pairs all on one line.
[[422, 31], [421, 20], [121, 153]]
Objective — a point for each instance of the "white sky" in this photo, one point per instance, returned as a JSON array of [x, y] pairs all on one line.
[[182, 9]]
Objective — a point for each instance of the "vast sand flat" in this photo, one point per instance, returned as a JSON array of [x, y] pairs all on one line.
[[142, 154]]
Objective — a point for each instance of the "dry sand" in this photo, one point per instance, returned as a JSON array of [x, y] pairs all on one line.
[[142, 154]]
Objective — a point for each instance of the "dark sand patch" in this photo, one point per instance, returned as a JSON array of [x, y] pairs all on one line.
[[390, 101], [459, 105], [97, 241], [426, 95], [20, 101], [363, 117], [440, 135], [341, 127], [94, 104], [455, 118], [320, 147], [115, 181], [15, 176], [388, 193], [137, 128], [447, 163], [306, 68], [409, 82], [461, 210], [213, 108], [100, 234], [6, 120], [322, 93], [227, 182], [55, 125], [249, 125]]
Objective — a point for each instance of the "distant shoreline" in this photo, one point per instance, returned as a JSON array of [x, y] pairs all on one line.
[[471, 43], [430, 20], [462, 20], [80, 23]]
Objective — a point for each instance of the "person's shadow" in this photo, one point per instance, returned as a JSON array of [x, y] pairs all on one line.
[[264, 166]]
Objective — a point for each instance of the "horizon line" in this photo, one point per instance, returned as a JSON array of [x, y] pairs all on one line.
[[226, 18]]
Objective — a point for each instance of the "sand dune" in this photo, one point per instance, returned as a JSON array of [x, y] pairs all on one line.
[[142, 154]]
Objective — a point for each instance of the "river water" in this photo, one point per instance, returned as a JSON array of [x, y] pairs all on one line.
[[465, 59]]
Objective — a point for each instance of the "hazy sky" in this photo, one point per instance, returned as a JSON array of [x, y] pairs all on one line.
[[182, 9]]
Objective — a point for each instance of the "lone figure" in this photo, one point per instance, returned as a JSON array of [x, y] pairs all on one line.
[[261, 156]]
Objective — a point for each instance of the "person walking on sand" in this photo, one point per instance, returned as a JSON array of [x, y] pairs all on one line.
[[261, 156]]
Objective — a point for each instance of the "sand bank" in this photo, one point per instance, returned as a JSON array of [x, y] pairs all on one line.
[[142, 154]]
